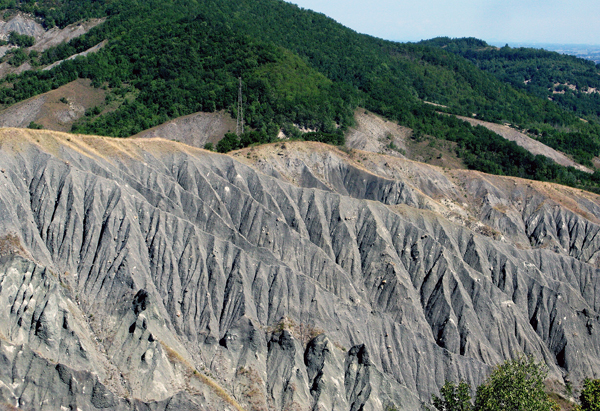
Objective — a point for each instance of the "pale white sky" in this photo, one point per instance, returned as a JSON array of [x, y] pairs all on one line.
[[525, 21]]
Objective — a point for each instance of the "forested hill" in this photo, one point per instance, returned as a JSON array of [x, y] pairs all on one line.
[[166, 59], [571, 82]]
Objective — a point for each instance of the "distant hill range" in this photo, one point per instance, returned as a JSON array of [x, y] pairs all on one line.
[[584, 51]]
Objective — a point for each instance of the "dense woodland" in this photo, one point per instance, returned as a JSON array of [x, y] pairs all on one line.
[[165, 59], [571, 83]]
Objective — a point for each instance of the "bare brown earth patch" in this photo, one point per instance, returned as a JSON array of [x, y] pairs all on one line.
[[377, 135], [55, 110], [56, 36], [195, 129], [434, 151], [11, 244]]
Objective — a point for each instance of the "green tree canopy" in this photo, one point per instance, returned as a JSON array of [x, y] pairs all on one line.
[[21, 40], [453, 397], [590, 395], [517, 384]]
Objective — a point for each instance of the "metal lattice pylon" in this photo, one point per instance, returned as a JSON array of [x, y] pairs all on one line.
[[240, 112]]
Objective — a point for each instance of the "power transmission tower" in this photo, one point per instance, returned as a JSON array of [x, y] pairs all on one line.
[[240, 112]]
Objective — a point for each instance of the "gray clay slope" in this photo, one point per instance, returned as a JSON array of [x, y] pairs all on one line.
[[144, 274]]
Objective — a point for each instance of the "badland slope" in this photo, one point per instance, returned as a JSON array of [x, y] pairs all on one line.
[[146, 274]]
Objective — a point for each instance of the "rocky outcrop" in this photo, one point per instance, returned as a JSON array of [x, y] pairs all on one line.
[[152, 275]]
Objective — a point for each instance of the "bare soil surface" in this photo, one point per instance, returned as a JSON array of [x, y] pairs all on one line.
[[434, 104], [195, 129], [6, 69], [49, 111], [377, 135], [22, 24], [528, 143], [434, 151]]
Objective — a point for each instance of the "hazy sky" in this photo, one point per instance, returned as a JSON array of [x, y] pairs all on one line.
[[525, 21]]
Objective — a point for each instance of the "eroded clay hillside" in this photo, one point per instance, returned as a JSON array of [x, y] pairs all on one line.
[[146, 274]]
